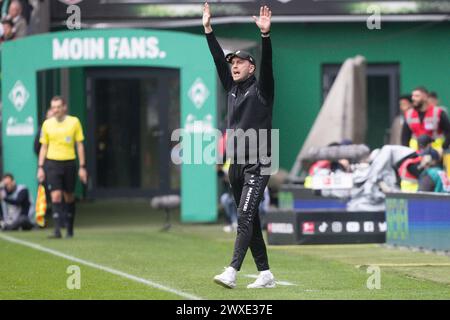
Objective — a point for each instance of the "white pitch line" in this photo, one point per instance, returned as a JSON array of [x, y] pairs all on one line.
[[100, 267], [423, 264], [281, 283]]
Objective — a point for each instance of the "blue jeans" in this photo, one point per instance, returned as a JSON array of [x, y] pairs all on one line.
[[227, 201]]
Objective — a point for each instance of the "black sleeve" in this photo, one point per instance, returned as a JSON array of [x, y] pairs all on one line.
[[222, 66], [22, 199], [266, 82], [406, 134], [444, 125], [37, 144]]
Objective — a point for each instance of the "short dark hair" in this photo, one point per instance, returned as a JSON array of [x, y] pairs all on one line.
[[8, 175], [59, 98], [433, 94], [8, 21], [405, 97], [421, 89]]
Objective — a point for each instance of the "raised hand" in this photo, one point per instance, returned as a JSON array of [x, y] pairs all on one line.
[[207, 18], [263, 21]]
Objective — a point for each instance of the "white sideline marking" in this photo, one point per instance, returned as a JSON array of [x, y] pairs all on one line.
[[281, 283], [100, 267], [424, 264]]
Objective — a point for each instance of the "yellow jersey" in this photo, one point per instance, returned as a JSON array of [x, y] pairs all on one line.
[[61, 137]]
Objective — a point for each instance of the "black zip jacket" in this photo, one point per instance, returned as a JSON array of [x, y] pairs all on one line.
[[250, 102]]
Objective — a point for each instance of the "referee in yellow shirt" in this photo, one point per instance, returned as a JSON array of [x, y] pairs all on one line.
[[59, 136]]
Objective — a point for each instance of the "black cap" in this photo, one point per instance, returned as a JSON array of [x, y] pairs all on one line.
[[424, 140], [432, 153], [240, 54]]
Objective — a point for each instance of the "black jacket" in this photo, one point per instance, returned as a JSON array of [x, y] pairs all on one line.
[[250, 102]]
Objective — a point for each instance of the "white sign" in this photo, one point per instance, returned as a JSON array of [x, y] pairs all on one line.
[[193, 125], [285, 228], [352, 226], [369, 226], [114, 48], [19, 96], [333, 181], [336, 227], [323, 227], [15, 128]]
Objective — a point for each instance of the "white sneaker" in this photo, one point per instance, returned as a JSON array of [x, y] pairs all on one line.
[[227, 278], [228, 228], [264, 280]]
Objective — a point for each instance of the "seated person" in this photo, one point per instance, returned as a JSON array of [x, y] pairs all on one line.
[[326, 167], [433, 178], [16, 205], [263, 208], [227, 200], [410, 169]]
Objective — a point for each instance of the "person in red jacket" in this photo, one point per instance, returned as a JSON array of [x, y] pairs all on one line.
[[425, 119]]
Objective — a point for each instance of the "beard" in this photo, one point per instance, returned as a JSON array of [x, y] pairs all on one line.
[[419, 105]]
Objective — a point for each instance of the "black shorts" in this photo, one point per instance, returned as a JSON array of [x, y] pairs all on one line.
[[61, 175]]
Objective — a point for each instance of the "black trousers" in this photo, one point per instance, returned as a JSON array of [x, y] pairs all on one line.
[[248, 186], [22, 222]]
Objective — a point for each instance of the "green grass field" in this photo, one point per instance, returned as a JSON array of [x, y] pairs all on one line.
[[180, 264]]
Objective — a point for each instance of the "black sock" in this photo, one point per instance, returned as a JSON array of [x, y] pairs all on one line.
[[58, 214], [70, 217]]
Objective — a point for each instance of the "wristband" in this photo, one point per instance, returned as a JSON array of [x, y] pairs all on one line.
[[41, 167], [82, 166], [265, 33]]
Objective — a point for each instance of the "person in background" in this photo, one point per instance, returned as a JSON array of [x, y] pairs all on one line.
[[425, 118], [433, 178], [263, 208], [326, 167], [404, 103], [37, 149], [16, 205], [227, 201], [433, 99], [61, 136], [8, 33], [410, 169], [15, 14]]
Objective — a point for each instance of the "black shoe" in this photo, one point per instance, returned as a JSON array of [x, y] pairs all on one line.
[[55, 236]]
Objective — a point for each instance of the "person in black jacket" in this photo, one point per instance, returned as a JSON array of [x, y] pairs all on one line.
[[250, 105]]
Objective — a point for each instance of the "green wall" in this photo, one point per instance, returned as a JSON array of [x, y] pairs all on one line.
[[112, 47], [421, 49]]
